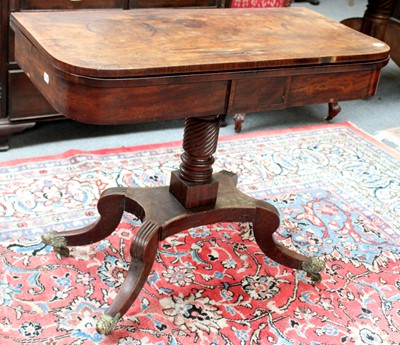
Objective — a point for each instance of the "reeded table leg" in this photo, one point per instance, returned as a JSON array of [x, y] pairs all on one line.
[[195, 197], [143, 252]]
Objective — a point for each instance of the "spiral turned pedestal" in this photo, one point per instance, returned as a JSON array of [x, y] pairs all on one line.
[[193, 184]]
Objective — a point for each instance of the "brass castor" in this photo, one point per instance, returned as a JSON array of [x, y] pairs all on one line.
[[106, 323], [315, 277], [313, 267], [59, 243]]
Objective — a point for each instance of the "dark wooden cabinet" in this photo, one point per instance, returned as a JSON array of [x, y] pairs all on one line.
[[381, 20], [176, 3], [22, 105]]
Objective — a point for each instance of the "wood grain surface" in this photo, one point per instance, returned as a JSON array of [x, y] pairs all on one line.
[[118, 43]]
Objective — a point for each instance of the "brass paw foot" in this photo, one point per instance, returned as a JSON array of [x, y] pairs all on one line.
[[315, 277], [106, 323], [313, 268], [59, 243]]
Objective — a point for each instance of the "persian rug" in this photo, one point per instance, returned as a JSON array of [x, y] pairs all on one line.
[[338, 193]]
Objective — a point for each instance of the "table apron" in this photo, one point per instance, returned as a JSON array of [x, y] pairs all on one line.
[[145, 99]]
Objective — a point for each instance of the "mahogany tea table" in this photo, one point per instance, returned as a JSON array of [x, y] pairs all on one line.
[[120, 67]]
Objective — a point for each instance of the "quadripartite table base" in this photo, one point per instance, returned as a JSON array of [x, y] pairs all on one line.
[[195, 197]]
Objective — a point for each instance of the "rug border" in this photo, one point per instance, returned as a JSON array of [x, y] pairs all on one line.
[[229, 137]]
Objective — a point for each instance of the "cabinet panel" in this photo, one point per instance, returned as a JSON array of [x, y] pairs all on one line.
[[266, 92], [24, 100], [175, 3], [69, 4], [312, 89], [3, 56]]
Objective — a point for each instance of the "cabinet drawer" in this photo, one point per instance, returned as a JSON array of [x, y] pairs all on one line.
[[175, 3], [257, 94], [69, 4], [24, 100], [308, 89], [142, 103]]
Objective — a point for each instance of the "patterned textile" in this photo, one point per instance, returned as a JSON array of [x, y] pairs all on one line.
[[260, 3], [338, 194]]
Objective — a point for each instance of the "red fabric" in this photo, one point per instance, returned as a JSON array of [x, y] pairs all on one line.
[[259, 3]]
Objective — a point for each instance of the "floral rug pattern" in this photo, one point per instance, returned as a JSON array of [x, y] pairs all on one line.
[[338, 193]]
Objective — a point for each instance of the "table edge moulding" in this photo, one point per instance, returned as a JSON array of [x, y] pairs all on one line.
[[188, 64]]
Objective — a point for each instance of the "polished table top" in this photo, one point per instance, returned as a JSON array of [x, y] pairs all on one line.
[[173, 63], [117, 43]]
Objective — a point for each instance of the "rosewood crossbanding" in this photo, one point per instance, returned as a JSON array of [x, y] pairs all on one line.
[[117, 67]]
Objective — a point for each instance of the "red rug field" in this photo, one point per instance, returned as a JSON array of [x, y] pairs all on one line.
[[338, 193]]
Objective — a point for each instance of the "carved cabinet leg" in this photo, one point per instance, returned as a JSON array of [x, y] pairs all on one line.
[[376, 18], [8, 128]]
